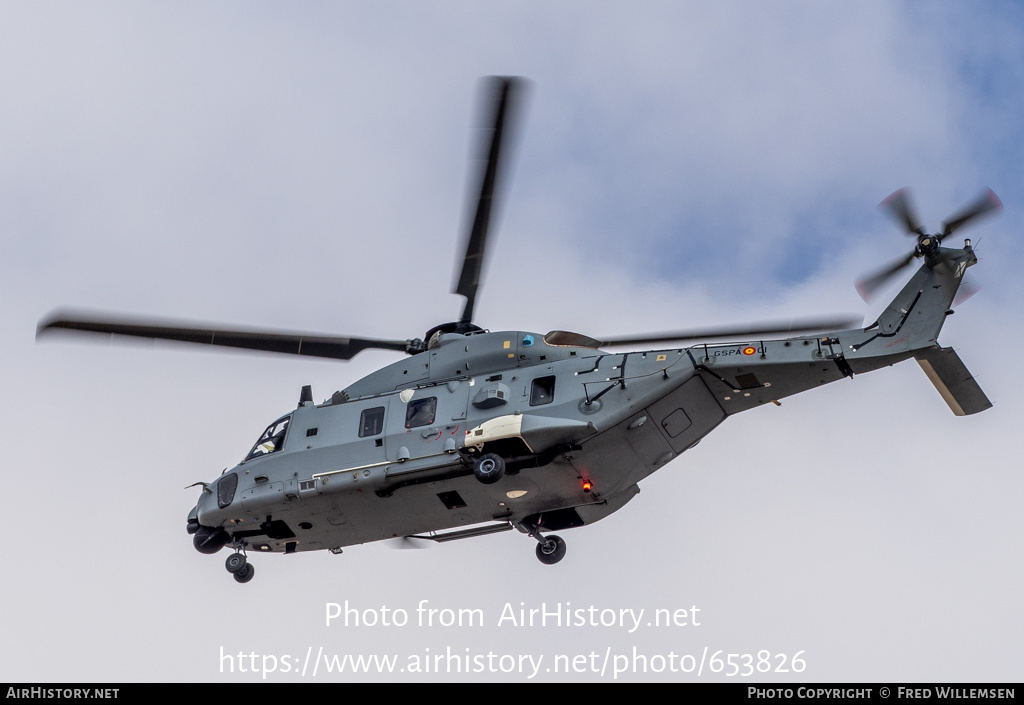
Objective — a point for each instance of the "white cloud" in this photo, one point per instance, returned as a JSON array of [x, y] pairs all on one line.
[[306, 169]]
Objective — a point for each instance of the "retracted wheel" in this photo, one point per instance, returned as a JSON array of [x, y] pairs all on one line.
[[245, 574], [489, 468], [235, 563], [550, 550]]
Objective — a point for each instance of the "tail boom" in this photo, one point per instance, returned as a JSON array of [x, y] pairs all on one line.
[[743, 376]]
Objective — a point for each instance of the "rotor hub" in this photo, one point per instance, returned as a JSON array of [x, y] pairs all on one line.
[[928, 244], [460, 327]]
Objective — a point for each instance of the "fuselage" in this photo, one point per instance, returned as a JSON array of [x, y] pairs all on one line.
[[392, 455]]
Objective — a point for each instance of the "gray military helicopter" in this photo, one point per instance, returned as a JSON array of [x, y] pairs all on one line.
[[478, 432]]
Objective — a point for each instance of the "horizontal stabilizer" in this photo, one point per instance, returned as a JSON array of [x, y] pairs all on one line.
[[953, 380]]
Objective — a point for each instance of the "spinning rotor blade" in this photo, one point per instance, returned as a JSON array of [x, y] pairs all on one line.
[[310, 345], [804, 325], [504, 93], [867, 286], [986, 203], [898, 205], [968, 288]]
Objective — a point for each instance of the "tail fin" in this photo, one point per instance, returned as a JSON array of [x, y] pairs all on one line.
[[917, 313], [910, 326], [950, 376]]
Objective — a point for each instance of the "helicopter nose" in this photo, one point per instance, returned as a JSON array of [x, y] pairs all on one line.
[[205, 539]]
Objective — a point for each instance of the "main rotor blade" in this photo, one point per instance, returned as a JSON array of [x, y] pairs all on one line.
[[866, 286], [503, 93], [311, 345], [740, 331], [986, 203], [898, 205]]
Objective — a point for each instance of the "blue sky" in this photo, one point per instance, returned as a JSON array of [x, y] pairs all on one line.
[[680, 164]]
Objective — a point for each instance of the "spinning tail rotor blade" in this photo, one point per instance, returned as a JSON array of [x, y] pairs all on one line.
[[867, 286], [311, 345], [984, 204], [505, 94], [898, 206], [968, 288]]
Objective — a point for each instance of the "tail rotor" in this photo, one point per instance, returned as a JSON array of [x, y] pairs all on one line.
[[899, 208]]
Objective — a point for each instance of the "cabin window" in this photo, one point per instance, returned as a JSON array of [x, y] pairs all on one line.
[[421, 412], [543, 391], [271, 441], [371, 421]]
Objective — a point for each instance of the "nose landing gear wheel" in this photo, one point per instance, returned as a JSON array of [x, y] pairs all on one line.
[[489, 468], [245, 574], [551, 550]]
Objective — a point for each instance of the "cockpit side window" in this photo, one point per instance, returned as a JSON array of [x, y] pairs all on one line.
[[271, 441]]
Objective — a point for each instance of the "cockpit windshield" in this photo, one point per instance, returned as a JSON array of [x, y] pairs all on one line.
[[271, 441]]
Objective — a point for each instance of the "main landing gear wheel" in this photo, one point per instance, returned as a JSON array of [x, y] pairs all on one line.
[[489, 468], [236, 562], [245, 574], [550, 550]]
